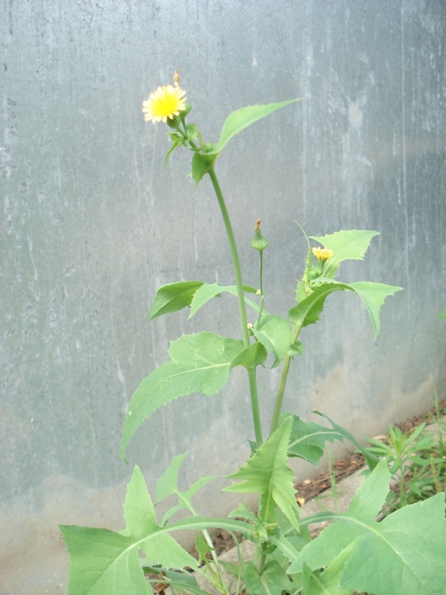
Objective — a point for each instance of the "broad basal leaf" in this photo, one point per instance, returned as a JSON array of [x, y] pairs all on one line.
[[102, 562], [244, 117], [275, 334], [106, 562], [267, 473], [173, 297], [404, 553], [199, 363], [346, 245]]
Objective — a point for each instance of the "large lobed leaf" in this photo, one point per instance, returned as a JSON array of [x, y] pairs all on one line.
[[404, 553], [199, 363], [372, 294], [346, 245], [267, 473], [104, 562]]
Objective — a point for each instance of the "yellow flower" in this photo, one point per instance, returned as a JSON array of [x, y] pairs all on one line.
[[322, 253], [165, 102]]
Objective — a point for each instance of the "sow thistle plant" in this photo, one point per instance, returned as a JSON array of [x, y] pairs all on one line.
[[404, 553]]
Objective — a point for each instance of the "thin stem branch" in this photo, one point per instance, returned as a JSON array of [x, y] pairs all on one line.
[[282, 383], [235, 258], [242, 305]]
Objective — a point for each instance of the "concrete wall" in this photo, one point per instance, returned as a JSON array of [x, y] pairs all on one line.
[[92, 223]]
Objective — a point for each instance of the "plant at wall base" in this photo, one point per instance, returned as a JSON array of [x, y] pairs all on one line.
[[347, 553], [417, 460]]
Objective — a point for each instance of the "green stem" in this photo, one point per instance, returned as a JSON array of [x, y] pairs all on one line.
[[262, 296], [235, 258], [282, 383], [280, 393], [242, 305]]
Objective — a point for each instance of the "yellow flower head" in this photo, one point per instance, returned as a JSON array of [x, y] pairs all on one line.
[[165, 102], [322, 253]]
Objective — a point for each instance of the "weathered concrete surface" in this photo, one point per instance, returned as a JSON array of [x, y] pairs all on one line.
[[92, 223]]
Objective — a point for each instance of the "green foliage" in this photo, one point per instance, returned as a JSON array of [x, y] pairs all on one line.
[[345, 245], [267, 473], [274, 334], [347, 553], [272, 581], [107, 563], [199, 363], [207, 291], [244, 117], [372, 294], [417, 464], [442, 315], [393, 546], [307, 440], [173, 297]]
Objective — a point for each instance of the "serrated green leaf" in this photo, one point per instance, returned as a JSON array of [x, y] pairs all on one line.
[[173, 297], [252, 356], [309, 309], [210, 290], [199, 363], [167, 484], [346, 245], [372, 294], [106, 562], [201, 165], [267, 473], [244, 117], [275, 334], [176, 142], [139, 511], [307, 439]]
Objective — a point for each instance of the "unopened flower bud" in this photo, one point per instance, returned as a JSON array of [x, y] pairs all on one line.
[[174, 122], [259, 242], [176, 79], [187, 109]]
